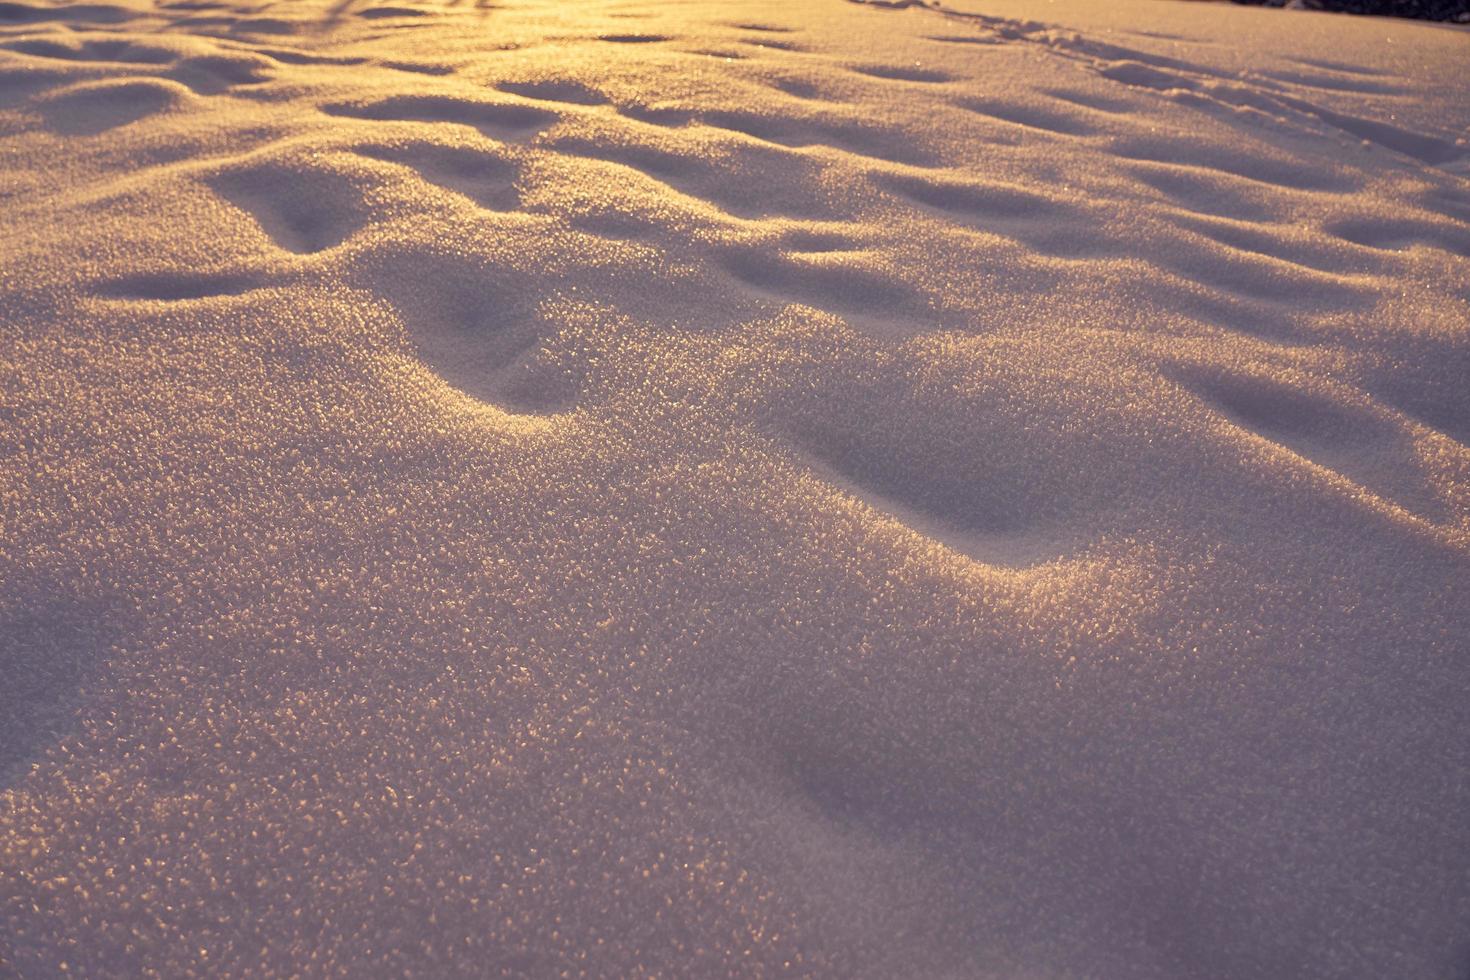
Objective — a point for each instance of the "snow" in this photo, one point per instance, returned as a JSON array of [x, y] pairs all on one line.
[[733, 488]]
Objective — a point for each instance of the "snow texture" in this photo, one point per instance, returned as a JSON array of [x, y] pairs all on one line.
[[745, 488]]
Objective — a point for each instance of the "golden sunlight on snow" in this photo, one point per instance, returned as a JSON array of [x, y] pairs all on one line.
[[733, 488]]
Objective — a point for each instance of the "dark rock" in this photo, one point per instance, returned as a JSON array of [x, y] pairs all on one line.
[[1451, 10]]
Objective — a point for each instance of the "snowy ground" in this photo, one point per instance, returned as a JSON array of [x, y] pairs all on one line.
[[733, 488]]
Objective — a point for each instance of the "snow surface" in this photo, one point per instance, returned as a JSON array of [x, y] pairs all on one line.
[[746, 488]]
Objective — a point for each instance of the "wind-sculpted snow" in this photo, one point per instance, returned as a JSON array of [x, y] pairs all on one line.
[[733, 489]]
